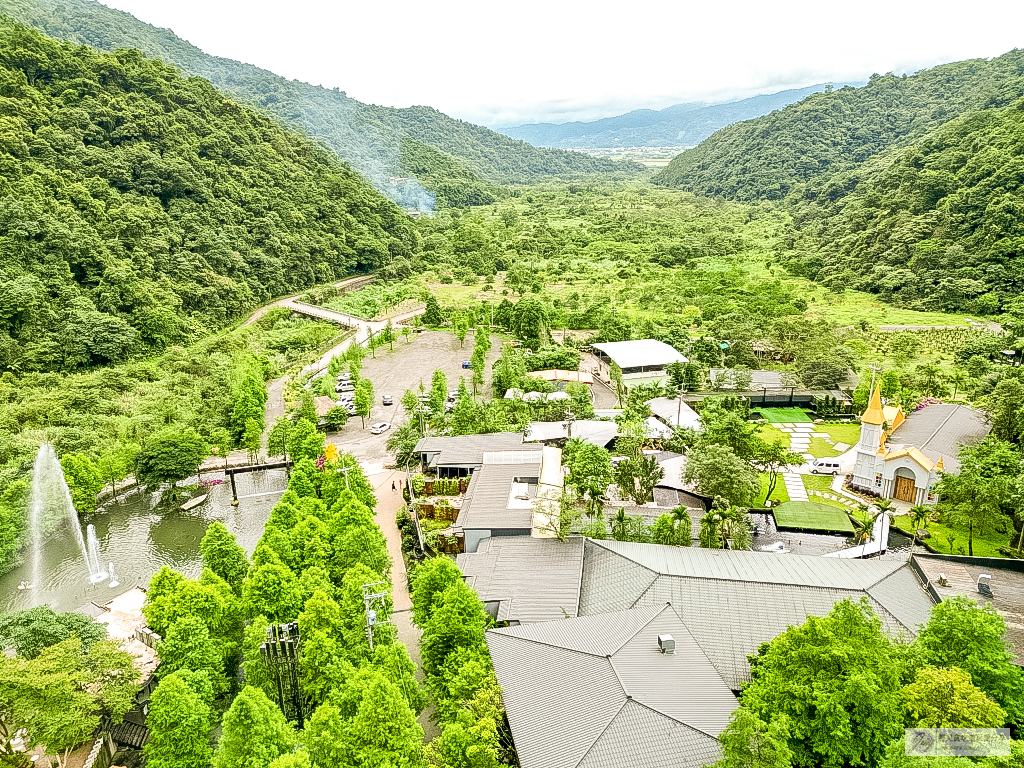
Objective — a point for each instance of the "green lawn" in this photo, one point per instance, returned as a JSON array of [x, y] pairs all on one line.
[[812, 516], [772, 435], [779, 494], [984, 546], [817, 482], [819, 449], [784, 415], [841, 433]]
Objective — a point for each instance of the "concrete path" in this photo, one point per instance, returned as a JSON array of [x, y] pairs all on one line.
[[794, 486]]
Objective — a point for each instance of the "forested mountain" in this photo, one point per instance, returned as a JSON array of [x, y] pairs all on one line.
[[367, 136], [834, 131], [678, 125], [139, 208], [938, 225]]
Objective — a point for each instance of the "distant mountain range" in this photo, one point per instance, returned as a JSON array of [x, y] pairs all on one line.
[[369, 137], [681, 125]]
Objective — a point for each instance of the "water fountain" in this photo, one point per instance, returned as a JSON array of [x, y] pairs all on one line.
[[96, 572], [113, 579], [51, 503]]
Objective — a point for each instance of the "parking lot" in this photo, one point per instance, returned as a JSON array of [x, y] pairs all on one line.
[[394, 372]]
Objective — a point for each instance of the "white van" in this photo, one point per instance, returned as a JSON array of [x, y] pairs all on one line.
[[825, 467]]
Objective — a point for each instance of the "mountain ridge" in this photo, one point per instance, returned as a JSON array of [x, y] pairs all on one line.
[[367, 136], [676, 125]]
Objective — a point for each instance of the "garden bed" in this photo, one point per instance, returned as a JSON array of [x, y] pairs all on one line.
[[812, 516]]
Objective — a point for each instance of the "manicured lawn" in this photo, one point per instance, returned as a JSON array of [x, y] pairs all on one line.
[[817, 482], [812, 516], [784, 415], [840, 433], [779, 494], [984, 546], [819, 449], [770, 434]]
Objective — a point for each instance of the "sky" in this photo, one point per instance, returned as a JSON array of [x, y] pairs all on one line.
[[559, 60]]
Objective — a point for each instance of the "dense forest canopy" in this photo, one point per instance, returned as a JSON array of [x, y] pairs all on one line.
[[367, 136], [771, 156], [139, 208], [938, 225]]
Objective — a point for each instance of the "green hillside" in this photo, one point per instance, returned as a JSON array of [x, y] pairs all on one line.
[[139, 209], [938, 225], [826, 133], [445, 176], [367, 136]]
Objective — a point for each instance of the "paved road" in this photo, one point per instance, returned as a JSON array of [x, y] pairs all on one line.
[[353, 281]]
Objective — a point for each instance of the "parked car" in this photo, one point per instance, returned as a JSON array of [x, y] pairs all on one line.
[[467, 364], [346, 387], [387, 400], [825, 467], [380, 428]]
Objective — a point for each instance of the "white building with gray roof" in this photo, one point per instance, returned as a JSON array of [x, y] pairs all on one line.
[[601, 692], [462, 455]]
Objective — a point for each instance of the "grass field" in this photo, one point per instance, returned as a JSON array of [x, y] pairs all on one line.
[[812, 516], [817, 482], [984, 546], [779, 494], [819, 449], [841, 433], [785, 415]]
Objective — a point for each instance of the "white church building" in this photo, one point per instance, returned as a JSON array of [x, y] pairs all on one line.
[[900, 457]]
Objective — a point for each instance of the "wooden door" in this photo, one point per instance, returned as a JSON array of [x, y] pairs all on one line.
[[905, 489]]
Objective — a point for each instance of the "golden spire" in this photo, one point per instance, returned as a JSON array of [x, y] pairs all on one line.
[[873, 415], [939, 465]]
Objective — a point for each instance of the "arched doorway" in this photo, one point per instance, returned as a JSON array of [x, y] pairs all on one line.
[[904, 487]]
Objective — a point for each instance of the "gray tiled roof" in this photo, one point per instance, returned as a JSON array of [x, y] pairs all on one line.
[[468, 450], [486, 504], [940, 429], [596, 691], [531, 579], [731, 602]]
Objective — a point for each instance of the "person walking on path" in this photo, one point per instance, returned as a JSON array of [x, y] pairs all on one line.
[[393, 486]]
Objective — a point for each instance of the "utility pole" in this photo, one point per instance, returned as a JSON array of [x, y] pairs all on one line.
[[345, 469], [281, 654], [374, 601]]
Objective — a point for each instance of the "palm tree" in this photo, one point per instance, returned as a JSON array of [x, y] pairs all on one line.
[[725, 529], [620, 525], [684, 526], [918, 517], [882, 507]]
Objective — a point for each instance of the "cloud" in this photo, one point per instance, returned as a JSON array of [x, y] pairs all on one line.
[[537, 60]]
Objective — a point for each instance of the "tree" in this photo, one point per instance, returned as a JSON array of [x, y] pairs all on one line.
[[58, 698], [188, 645], [837, 681], [433, 316], [1005, 409], [179, 726], [457, 620], [946, 698], [429, 580], [615, 373], [172, 454], [365, 724], [773, 459], [272, 591], [84, 481], [254, 732], [963, 634], [638, 476], [590, 472], [749, 742], [251, 438], [223, 556], [725, 529], [31, 631], [721, 425], [673, 528], [304, 441], [717, 471], [461, 329], [978, 498]]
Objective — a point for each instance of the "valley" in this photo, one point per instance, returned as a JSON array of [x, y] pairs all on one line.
[[687, 438]]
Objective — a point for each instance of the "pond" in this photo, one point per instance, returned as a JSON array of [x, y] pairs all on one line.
[[140, 534], [818, 543]]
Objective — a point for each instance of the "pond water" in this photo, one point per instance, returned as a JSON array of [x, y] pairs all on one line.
[[800, 543], [140, 534]]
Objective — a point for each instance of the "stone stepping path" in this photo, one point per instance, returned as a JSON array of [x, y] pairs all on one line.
[[794, 486]]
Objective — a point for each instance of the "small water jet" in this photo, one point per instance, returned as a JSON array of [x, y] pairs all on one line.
[[113, 579], [96, 572]]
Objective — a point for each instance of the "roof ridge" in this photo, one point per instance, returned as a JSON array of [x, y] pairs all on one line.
[[898, 565], [603, 731], [645, 705], [639, 630], [956, 407]]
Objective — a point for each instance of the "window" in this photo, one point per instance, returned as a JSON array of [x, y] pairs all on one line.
[[878, 480]]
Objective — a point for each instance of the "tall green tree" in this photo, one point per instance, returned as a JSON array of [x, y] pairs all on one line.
[[170, 455], [179, 726], [222, 555], [254, 732]]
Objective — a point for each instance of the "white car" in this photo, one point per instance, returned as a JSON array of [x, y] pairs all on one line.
[[380, 428]]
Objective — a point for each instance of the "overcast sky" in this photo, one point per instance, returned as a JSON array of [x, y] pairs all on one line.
[[558, 60]]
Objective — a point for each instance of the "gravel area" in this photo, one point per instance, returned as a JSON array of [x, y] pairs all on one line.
[[394, 372]]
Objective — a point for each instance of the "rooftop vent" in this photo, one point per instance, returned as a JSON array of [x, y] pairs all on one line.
[[667, 643], [985, 584]]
